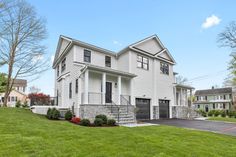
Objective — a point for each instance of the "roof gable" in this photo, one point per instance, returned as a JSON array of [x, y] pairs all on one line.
[[151, 46], [62, 44], [154, 47], [165, 54]]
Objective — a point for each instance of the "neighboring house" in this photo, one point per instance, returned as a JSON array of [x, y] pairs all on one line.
[[92, 80], [214, 99], [17, 93]]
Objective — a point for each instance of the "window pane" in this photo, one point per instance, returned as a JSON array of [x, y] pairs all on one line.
[[140, 58], [139, 64], [145, 60], [87, 56], [145, 66]]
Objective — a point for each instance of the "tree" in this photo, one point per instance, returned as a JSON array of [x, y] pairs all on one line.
[[3, 82], [21, 43], [39, 99], [181, 80], [227, 38]]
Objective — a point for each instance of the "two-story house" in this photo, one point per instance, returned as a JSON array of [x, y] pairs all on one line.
[[93, 80], [214, 99], [18, 93]]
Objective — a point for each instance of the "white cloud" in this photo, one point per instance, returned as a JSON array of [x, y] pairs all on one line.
[[116, 42], [211, 21]]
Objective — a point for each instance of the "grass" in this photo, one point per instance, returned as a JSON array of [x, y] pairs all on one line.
[[25, 134], [223, 119]]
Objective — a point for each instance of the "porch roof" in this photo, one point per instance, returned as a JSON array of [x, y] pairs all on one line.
[[108, 70], [184, 86]]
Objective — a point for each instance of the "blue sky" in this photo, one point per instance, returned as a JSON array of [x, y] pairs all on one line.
[[116, 24]]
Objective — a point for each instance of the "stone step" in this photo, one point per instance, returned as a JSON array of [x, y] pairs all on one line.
[[126, 122]]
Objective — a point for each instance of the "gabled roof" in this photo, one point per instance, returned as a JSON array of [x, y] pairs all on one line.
[[109, 52], [20, 83], [214, 91], [78, 42], [184, 86], [156, 55]]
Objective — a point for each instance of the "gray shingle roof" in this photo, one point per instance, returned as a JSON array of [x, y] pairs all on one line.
[[214, 91], [20, 83]]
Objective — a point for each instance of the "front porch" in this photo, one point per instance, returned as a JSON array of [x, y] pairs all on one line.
[[106, 87], [106, 92]]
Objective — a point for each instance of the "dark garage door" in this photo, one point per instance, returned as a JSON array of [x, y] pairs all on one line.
[[164, 108], [143, 106]]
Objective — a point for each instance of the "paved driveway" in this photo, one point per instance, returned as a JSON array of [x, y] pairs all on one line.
[[219, 127]]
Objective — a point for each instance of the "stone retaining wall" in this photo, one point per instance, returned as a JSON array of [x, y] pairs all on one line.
[[183, 112], [155, 112]]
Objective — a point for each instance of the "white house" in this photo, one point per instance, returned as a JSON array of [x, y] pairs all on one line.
[[137, 82]]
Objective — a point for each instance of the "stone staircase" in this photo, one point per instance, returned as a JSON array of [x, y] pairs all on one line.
[[123, 114]]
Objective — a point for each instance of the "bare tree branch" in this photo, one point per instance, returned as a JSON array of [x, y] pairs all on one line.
[[21, 42]]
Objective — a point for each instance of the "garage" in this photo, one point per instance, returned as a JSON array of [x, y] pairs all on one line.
[[164, 109], [143, 106]]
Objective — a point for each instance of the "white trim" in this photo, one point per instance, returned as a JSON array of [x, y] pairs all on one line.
[[173, 63]]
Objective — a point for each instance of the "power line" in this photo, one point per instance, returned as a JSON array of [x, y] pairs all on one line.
[[207, 76]]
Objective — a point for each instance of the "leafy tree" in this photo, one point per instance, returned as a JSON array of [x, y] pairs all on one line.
[[3, 82]]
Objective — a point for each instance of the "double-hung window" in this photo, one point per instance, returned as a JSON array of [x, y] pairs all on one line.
[[76, 86], [70, 90], [107, 61], [57, 70], [63, 65], [143, 62], [87, 56], [164, 67]]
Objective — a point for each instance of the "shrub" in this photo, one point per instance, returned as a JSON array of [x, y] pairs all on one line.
[[68, 115], [49, 113], [25, 105], [85, 122], [98, 122], [75, 120], [103, 117], [18, 104], [211, 113], [202, 113], [223, 114], [217, 113], [53, 114], [111, 122], [231, 114]]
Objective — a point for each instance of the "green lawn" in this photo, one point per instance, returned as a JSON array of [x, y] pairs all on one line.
[[25, 134], [223, 119]]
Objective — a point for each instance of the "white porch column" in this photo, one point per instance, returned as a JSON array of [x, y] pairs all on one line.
[[86, 86], [104, 88], [119, 89], [181, 97], [191, 98], [62, 92]]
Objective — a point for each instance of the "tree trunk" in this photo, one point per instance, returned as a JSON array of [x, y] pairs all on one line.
[[9, 81]]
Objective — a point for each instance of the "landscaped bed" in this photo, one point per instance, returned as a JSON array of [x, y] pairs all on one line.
[[23, 133], [225, 119], [219, 115]]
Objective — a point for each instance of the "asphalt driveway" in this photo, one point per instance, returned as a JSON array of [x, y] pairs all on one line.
[[219, 127]]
